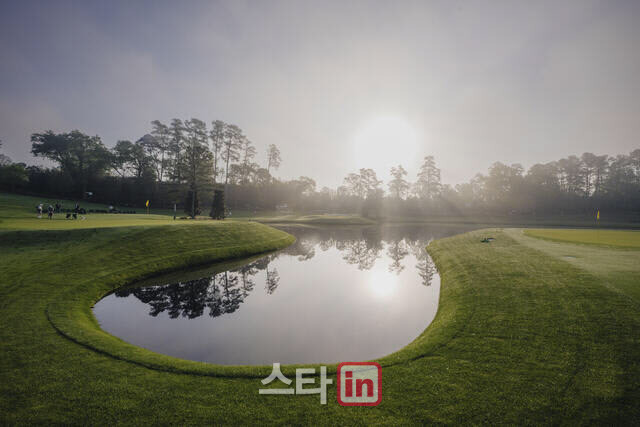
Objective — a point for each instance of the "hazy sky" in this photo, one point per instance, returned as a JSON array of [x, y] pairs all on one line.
[[331, 83]]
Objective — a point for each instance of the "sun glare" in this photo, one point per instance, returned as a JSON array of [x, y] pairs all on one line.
[[382, 283], [384, 142]]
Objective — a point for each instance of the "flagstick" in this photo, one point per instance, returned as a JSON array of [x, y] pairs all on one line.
[[598, 226]]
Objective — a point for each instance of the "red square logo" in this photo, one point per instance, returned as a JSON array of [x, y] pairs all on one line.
[[359, 384]]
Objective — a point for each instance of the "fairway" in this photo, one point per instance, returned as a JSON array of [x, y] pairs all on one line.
[[614, 238], [520, 334]]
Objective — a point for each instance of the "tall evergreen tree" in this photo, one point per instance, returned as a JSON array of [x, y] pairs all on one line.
[[217, 136], [231, 149], [196, 161], [161, 144], [176, 135], [428, 185], [398, 186], [273, 158], [247, 152]]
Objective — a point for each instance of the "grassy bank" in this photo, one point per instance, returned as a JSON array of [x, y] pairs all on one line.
[[610, 238], [528, 330], [521, 336]]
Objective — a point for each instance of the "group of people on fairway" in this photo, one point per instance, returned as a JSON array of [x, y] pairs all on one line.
[[40, 208], [51, 210]]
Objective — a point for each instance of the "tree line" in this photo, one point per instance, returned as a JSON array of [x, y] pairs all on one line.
[[176, 163], [194, 166], [570, 185]]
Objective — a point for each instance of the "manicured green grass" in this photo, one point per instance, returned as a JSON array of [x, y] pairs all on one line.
[[525, 334], [17, 205], [625, 221], [615, 238], [18, 212]]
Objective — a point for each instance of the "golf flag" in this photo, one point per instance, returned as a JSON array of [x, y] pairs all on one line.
[[147, 205], [598, 215]]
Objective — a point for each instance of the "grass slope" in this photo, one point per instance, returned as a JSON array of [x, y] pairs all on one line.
[[521, 336], [613, 238], [528, 331]]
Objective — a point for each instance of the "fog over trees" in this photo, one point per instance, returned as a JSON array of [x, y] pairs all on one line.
[[184, 161]]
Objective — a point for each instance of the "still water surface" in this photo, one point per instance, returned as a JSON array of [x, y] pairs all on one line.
[[337, 294]]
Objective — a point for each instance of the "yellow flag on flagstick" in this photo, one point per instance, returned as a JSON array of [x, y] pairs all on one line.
[[598, 215], [147, 205]]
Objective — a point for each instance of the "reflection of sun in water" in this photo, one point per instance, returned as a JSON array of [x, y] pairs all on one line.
[[382, 283], [384, 142]]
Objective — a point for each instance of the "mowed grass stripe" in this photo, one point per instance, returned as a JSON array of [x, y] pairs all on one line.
[[613, 238]]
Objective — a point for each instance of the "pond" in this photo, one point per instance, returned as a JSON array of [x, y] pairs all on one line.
[[337, 294]]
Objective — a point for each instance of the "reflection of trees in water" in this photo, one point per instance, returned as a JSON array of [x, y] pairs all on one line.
[[397, 251], [426, 269], [246, 277], [425, 266], [362, 249], [273, 279], [232, 295], [360, 252], [326, 244], [221, 293], [363, 246], [224, 292], [303, 249]]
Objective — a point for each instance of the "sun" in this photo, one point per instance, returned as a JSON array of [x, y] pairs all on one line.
[[385, 141]]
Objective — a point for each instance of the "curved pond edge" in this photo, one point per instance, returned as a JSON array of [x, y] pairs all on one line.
[[71, 315]]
